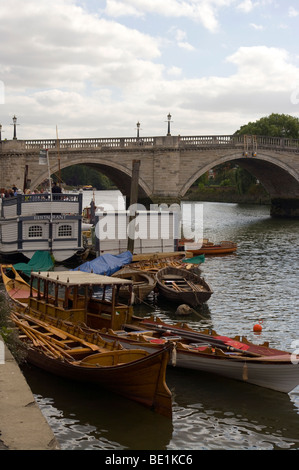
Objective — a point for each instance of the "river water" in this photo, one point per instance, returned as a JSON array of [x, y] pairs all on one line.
[[257, 284]]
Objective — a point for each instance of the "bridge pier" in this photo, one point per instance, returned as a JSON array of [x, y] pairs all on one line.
[[285, 208]]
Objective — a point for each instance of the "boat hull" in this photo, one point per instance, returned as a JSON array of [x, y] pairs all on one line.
[[136, 381], [213, 251], [209, 248], [67, 351], [275, 376], [16, 288]]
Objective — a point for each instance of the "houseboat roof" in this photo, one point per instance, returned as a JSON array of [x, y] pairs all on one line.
[[79, 278]]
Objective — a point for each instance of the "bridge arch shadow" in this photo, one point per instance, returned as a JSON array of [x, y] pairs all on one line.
[[118, 174], [121, 177], [278, 179]]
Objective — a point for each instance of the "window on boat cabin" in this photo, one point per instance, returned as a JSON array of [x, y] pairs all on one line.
[[65, 231], [35, 231]]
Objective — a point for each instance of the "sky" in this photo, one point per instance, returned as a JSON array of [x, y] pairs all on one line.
[[94, 68]]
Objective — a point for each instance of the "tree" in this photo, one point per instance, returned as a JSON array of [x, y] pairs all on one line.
[[78, 175], [275, 125], [244, 180]]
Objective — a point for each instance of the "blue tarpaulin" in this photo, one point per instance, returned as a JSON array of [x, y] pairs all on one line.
[[106, 264]]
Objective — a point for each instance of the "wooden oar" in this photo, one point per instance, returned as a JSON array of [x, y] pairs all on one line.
[[37, 342], [41, 339], [195, 287], [57, 331], [198, 337], [169, 283]]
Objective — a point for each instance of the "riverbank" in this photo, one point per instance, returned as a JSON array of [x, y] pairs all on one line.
[[22, 424], [228, 194]]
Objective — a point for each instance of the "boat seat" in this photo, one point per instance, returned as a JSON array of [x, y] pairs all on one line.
[[143, 332], [81, 350]]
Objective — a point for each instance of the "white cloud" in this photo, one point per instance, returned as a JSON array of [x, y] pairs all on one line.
[[246, 6], [174, 71], [257, 26], [58, 44], [180, 37], [186, 46], [117, 8], [292, 12], [96, 77], [202, 11]]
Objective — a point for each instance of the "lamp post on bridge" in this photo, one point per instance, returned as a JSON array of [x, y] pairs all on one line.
[[14, 120], [138, 128], [169, 121]]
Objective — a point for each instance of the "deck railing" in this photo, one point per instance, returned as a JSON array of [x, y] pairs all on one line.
[[27, 204]]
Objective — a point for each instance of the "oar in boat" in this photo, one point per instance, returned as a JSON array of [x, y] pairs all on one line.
[[42, 340], [198, 337]]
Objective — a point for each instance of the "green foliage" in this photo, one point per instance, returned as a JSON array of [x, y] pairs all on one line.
[[3, 311], [79, 175], [244, 180], [275, 125], [9, 334], [225, 182]]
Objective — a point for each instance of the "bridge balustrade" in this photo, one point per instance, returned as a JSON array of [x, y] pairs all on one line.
[[168, 141]]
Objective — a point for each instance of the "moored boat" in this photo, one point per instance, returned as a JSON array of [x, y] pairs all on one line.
[[17, 289], [143, 284], [182, 286], [209, 248], [43, 222], [153, 262], [65, 350], [206, 351]]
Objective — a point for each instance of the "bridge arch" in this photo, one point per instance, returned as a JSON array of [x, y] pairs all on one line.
[[277, 177], [119, 174]]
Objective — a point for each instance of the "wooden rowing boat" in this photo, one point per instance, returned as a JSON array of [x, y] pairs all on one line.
[[153, 257], [16, 287], [209, 248], [205, 351], [153, 262], [69, 352], [182, 286], [143, 284]]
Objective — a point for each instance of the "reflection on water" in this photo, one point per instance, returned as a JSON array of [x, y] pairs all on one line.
[[208, 413], [87, 417], [258, 283], [213, 413]]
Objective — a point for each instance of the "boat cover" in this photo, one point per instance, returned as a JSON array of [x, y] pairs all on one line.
[[40, 261], [106, 264], [195, 260]]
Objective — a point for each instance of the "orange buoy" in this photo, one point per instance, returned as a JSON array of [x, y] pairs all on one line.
[[257, 328]]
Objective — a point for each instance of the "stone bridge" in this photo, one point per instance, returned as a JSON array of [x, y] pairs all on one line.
[[168, 165]]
